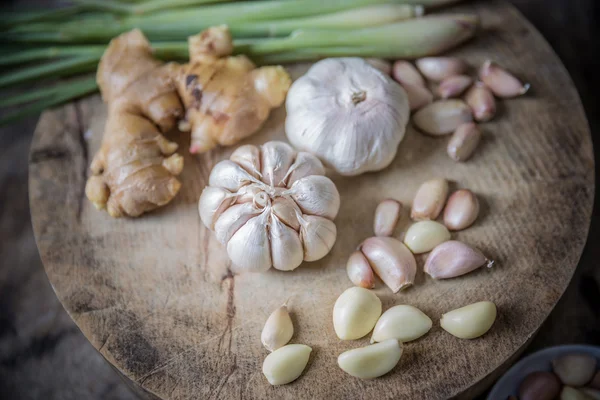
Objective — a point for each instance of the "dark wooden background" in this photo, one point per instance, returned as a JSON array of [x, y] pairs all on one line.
[[43, 354]]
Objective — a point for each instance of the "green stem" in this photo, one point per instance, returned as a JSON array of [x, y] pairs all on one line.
[[27, 17], [25, 56], [105, 5], [67, 67], [158, 5], [44, 93]]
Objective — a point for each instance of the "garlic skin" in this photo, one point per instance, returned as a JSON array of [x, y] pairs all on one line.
[[286, 364], [387, 215], [391, 260], [270, 207], [278, 329], [470, 322], [371, 361], [453, 258], [359, 271], [349, 114], [355, 313], [462, 209], [401, 322], [429, 199]]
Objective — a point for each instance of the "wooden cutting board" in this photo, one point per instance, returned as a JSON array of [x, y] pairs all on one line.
[[156, 297]]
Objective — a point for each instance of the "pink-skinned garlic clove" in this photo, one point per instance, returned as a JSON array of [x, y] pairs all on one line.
[[453, 258], [501, 82], [359, 271], [391, 260]]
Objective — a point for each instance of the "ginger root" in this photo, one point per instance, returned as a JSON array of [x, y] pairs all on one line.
[[134, 170], [226, 97]]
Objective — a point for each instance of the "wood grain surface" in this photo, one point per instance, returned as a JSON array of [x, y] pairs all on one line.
[[156, 297]]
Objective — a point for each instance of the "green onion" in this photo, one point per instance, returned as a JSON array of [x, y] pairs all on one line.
[[69, 66]]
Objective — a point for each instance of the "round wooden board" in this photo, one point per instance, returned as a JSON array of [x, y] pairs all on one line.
[[156, 297]]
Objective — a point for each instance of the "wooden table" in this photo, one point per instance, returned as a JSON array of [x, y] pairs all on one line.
[[47, 328]]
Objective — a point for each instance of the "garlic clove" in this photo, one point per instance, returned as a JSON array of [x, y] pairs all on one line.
[[355, 313], [381, 64], [248, 157], [569, 393], [391, 261], [462, 209], [247, 193], [233, 219], [574, 369], [470, 322], [454, 86], [318, 236], [440, 68], [401, 322], [248, 248], [424, 236], [305, 165], [285, 209], [429, 199], [418, 96], [593, 394], [286, 248], [442, 117], [405, 73], [464, 141], [371, 361], [501, 82], [539, 385], [387, 215], [453, 258], [278, 329], [286, 364], [482, 102], [213, 202], [359, 271], [276, 159], [229, 175], [316, 195]]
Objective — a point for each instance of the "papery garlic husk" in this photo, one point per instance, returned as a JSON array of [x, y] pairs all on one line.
[[359, 271], [355, 313], [278, 329], [401, 322], [214, 201], [371, 361], [349, 114], [453, 258], [263, 224], [248, 157], [391, 260], [286, 364]]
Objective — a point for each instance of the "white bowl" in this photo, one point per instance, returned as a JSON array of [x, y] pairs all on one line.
[[508, 385]]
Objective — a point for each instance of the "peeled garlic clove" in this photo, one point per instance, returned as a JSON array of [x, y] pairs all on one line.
[[454, 86], [440, 68], [442, 117], [429, 199], [501, 82], [539, 385], [575, 369], [381, 64], [471, 321], [318, 236], [405, 73], [402, 322], [591, 393], [359, 271], [285, 210], [424, 236], [595, 382], [418, 96], [305, 165], [461, 210], [229, 175], [569, 393], [278, 329], [276, 159], [355, 313], [482, 102], [213, 201], [232, 219], [453, 258], [248, 157], [248, 248], [464, 141], [316, 195], [286, 364], [391, 261], [371, 361], [387, 214], [286, 248]]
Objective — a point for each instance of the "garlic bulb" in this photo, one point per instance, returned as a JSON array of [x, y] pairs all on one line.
[[349, 114], [271, 207]]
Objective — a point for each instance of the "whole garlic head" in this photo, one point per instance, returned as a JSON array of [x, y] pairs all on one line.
[[271, 207], [349, 114]]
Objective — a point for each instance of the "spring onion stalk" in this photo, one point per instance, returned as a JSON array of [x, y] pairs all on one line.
[[25, 56], [26, 17], [47, 92], [66, 67]]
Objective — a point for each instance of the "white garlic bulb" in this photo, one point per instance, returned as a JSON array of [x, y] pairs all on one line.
[[271, 207], [349, 114]]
